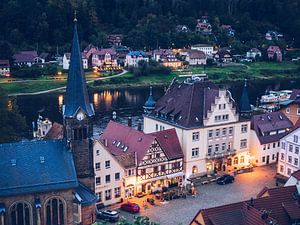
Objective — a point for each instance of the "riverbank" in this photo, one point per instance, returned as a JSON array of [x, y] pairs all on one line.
[[218, 74]]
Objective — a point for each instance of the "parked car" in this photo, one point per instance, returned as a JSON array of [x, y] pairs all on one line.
[[130, 207], [108, 215], [225, 179]]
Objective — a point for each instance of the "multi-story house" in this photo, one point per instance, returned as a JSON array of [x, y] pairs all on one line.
[[167, 58], [105, 59], [266, 132], [109, 175], [66, 61], [207, 49], [289, 155], [4, 67], [274, 53], [291, 108], [223, 56], [210, 131], [152, 161], [134, 57], [253, 53], [203, 27], [195, 57]]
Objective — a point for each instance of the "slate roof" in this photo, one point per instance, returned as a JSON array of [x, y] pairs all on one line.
[[84, 195], [168, 140], [76, 94], [268, 122], [186, 104], [36, 166], [222, 53], [150, 103], [245, 102], [25, 56], [55, 132], [279, 202]]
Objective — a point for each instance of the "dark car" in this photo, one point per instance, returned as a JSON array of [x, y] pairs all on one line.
[[108, 215], [225, 179], [130, 207]]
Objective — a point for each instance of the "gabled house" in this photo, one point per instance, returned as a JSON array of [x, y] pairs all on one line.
[[152, 161], [274, 53], [273, 35], [4, 68], [203, 27], [66, 61], [289, 154], [207, 49], [211, 132], [25, 58], [223, 56], [167, 58], [278, 205], [195, 57], [294, 179], [115, 39], [291, 107], [134, 57], [105, 59], [266, 132], [253, 53], [88, 53]]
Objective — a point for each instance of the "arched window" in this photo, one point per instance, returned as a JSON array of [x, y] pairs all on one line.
[[236, 160], [20, 214], [55, 212]]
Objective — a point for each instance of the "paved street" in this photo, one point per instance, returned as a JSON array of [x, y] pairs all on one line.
[[182, 211]]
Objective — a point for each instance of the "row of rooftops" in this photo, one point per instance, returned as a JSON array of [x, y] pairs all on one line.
[[280, 205]]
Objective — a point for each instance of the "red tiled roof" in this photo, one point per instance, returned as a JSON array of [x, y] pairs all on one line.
[[196, 54], [169, 142], [55, 132], [119, 136], [296, 174], [280, 205]]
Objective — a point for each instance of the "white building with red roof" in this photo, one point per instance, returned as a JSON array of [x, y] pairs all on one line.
[[150, 161]]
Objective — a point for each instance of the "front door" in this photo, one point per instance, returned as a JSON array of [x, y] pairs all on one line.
[[268, 159]]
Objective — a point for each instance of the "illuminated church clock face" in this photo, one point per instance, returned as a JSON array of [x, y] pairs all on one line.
[[80, 116]]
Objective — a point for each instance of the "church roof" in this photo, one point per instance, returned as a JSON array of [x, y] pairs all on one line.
[[150, 103], [76, 94], [245, 103], [84, 195], [36, 166]]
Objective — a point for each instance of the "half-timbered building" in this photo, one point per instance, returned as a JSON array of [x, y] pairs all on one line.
[[156, 159]]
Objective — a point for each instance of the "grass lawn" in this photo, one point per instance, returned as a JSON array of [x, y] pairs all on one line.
[[31, 87]]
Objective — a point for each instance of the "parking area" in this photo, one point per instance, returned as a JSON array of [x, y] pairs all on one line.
[[181, 211]]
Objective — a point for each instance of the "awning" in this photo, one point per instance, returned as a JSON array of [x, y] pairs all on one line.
[[178, 174], [2, 208]]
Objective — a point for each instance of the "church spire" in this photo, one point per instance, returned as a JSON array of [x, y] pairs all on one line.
[[76, 94], [150, 103], [245, 107]]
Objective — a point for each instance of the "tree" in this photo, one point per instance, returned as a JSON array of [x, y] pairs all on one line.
[[12, 125]]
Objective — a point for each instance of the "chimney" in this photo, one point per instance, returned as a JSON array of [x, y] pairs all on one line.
[[114, 115], [129, 122], [105, 142], [139, 125], [252, 202]]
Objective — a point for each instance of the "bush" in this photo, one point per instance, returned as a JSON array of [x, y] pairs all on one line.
[[153, 67]]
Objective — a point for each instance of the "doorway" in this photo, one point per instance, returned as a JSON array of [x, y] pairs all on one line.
[[268, 159]]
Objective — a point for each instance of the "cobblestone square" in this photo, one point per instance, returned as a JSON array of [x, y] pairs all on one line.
[[182, 211]]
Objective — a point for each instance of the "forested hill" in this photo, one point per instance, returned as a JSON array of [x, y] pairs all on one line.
[[27, 24]]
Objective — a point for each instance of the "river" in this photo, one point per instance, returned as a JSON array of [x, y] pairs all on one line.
[[128, 102]]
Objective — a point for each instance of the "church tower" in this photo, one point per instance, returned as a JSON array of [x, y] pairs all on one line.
[[78, 117]]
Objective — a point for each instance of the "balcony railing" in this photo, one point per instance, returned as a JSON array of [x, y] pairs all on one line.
[[221, 154]]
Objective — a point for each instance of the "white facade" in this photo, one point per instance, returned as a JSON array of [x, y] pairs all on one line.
[[253, 54], [66, 62], [133, 60], [263, 154], [292, 181], [207, 49], [289, 155], [208, 147], [4, 71], [109, 175], [195, 61]]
